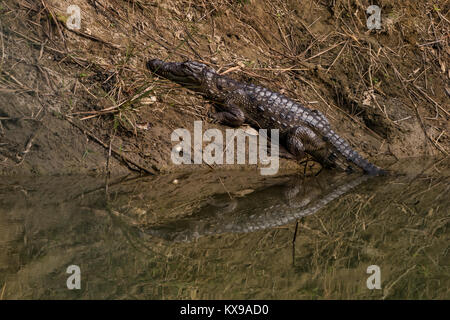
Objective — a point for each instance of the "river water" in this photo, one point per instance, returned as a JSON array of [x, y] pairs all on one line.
[[228, 235]]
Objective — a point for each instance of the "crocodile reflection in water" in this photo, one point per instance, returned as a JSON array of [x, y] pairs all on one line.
[[269, 207]]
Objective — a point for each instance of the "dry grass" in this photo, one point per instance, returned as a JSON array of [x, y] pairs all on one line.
[[386, 86]]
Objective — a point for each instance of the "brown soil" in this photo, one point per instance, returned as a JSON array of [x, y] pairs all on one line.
[[69, 98]]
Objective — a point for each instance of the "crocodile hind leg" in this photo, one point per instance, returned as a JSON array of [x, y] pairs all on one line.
[[302, 140]]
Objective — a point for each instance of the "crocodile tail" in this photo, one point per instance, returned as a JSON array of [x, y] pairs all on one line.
[[351, 155]]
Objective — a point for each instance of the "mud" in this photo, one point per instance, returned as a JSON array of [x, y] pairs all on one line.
[[70, 99]]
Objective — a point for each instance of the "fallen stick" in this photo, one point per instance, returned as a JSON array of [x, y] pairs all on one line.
[[154, 170]]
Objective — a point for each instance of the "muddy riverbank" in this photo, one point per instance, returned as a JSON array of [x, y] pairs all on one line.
[[69, 99]]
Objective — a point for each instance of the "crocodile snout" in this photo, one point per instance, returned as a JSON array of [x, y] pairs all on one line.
[[154, 64]]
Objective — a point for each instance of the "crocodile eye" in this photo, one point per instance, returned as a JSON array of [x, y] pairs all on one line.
[[194, 66]]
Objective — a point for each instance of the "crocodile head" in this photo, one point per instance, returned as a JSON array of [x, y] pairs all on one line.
[[187, 73]]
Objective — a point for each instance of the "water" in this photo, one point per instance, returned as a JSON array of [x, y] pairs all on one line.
[[228, 235]]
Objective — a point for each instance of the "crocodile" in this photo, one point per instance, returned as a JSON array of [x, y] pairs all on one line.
[[302, 131], [268, 207]]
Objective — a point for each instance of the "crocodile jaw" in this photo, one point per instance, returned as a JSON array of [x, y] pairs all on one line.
[[185, 73]]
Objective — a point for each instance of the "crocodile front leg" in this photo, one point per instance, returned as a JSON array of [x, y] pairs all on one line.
[[231, 114], [233, 117]]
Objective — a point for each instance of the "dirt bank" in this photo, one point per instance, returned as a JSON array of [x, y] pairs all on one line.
[[69, 98]]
